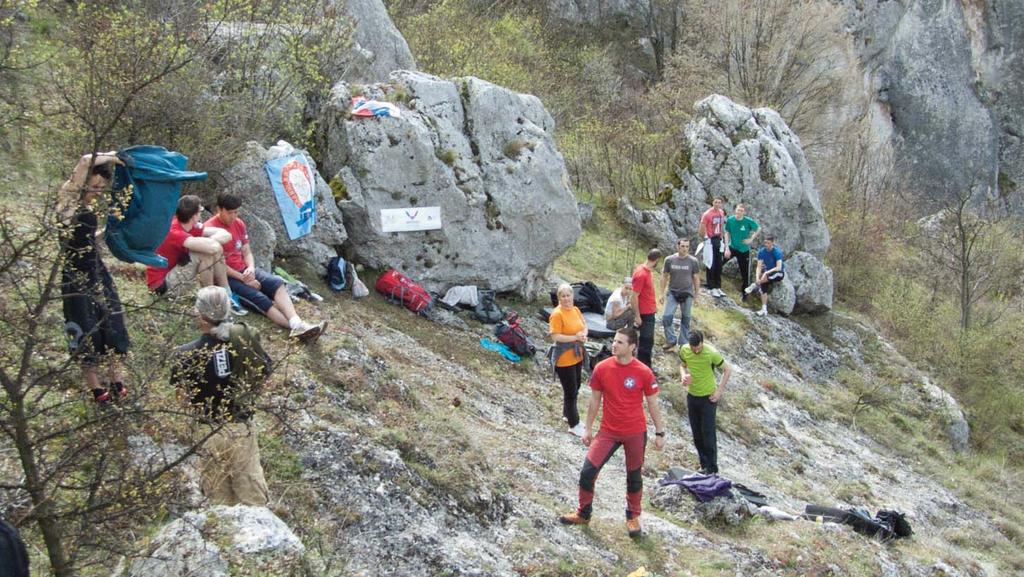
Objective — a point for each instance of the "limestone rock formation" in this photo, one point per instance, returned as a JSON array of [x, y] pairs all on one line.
[[221, 541], [653, 226], [483, 154], [267, 236], [812, 283], [378, 47]]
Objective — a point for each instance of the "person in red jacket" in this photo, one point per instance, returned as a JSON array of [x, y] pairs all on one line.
[[645, 303], [712, 227], [619, 385]]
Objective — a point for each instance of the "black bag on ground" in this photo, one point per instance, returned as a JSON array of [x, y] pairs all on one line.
[[592, 360], [513, 336], [586, 296], [487, 309], [752, 496]]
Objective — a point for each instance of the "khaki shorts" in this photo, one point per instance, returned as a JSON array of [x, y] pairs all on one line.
[[181, 280], [229, 465]]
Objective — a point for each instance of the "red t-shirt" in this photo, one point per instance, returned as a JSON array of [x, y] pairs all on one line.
[[173, 249], [239, 238], [643, 286], [713, 220], [623, 389]]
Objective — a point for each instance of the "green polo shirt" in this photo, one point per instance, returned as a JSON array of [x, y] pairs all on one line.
[[739, 231], [701, 368]]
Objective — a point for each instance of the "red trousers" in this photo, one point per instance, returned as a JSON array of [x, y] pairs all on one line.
[[601, 449]]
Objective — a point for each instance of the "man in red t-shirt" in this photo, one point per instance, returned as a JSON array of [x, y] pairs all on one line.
[[712, 226], [645, 303], [256, 289], [619, 384], [191, 250]]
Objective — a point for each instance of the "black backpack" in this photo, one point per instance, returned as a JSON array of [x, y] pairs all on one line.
[[514, 337], [593, 359], [586, 296], [487, 310]]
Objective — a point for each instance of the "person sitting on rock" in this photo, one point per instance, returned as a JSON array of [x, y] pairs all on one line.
[[680, 279], [770, 270], [221, 374], [193, 251], [618, 311], [255, 288], [740, 233]]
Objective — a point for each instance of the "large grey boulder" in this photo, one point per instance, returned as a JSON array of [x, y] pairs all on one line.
[[221, 541], [267, 235], [952, 416], [378, 47], [749, 156], [484, 154], [812, 283], [653, 226]]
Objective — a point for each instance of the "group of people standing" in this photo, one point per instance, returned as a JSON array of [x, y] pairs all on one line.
[[220, 372], [620, 384]]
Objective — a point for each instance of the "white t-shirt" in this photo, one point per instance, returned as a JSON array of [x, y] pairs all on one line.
[[615, 299]]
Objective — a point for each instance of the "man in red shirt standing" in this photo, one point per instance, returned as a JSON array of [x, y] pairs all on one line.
[[645, 303], [712, 224], [619, 384], [256, 288], [192, 251]]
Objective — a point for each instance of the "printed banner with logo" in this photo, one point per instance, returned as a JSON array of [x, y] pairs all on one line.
[[294, 185], [410, 219]]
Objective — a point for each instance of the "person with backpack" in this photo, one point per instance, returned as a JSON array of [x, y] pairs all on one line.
[[568, 330], [712, 223], [256, 288], [740, 233], [770, 270], [646, 305], [680, 279], [93, 313], [619, 384], [700, 360], [221, 374], [619, 311]]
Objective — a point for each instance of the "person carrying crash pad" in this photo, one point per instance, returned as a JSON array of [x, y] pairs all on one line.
[[93, 313], [258, 289], [703, 391], [619, 385]]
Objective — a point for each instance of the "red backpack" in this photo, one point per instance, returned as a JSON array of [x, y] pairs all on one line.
[[513, 336], [400, 289]]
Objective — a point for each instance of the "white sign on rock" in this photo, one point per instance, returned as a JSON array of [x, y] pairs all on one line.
[[410, 219]]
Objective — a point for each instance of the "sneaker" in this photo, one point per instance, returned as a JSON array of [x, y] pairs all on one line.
[[307, 332], [717, 293], [762, 313], [633, 526], [669, 347], [750, 289], [578, 430], [101, 396], [120, 392], [236, 306], [573, 518]]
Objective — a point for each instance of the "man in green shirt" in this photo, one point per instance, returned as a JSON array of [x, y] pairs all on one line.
[[697, 372], [740, 233]]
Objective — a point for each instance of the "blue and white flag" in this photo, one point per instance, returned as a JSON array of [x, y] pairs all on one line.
[[294, 185]]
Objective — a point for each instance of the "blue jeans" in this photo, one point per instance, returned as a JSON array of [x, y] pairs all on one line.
[[669, 315]]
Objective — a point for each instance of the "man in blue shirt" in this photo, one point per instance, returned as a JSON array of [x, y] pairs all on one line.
[[770, 270]]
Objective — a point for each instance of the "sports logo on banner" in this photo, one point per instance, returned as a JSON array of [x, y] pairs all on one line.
[[294, 184], [410, 219]]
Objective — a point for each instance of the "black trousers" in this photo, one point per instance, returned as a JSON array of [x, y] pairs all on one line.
[[701, 412], [743, 262], [570, 377], [715, 272], [645, 342]]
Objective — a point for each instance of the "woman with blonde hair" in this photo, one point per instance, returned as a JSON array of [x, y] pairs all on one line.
[[568, 330]]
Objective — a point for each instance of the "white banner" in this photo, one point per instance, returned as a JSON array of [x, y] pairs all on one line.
[[410, 219]]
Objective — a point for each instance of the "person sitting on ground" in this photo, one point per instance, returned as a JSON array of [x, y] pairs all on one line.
[[712, 222], [568, 330], [770, 270], [255, 288], [192, 251], [740, 233], [679, 281], [619, 386], [697, 373], [618, 311], [93, 314], [221, 374]]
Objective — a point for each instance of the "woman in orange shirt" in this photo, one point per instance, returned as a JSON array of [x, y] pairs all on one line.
[[569, 332]]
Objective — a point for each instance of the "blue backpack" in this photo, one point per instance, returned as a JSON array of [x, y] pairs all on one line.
[[336, 277]]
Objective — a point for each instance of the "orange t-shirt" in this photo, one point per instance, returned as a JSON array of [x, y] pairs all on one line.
[[564, 322]]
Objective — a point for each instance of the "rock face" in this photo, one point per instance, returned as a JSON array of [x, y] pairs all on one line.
[[483, 154], [267, 236], [947, 79], [652, 226], [750, 156], [378, 46], [222, 541]]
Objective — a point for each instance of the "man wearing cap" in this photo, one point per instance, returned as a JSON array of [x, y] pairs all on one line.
[[221, 374], [618, 312], [679, 280]]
